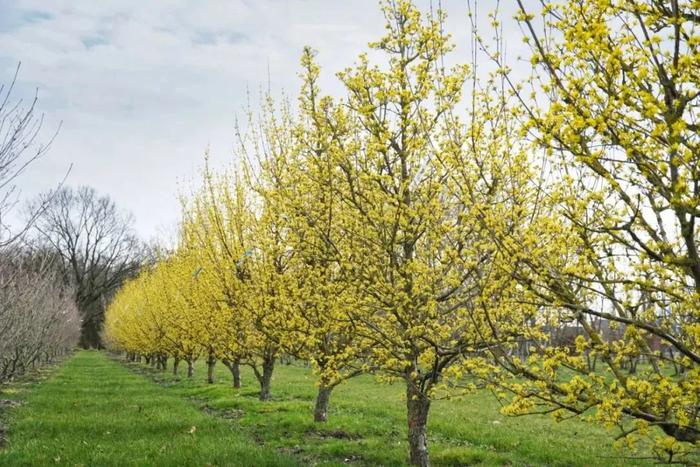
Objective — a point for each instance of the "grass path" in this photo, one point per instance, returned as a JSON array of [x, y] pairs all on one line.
[[95, 412]]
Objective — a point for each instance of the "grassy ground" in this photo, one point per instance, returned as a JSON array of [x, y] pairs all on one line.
[[367, 424], [93, 411]]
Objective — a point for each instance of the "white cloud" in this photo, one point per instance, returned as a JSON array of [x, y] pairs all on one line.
[[143, 88]]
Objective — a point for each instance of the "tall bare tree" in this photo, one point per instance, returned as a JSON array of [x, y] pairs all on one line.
[[97, 246], [20, 131]]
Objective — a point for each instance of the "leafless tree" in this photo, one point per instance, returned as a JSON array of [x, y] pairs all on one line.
[[39, 319], [96, 245], [20, 130]]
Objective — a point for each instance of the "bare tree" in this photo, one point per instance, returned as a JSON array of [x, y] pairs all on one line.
[[38, 317], [97, 247], [20, 129]]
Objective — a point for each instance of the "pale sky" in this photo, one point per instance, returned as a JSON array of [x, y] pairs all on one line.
[[142, 88]]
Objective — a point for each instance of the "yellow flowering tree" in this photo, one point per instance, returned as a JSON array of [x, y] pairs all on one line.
[[320, 329], [417, 261], [155, 314], [613, 251], [239, 233]]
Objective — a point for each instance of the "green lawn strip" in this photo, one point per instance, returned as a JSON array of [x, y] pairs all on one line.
[[367, 423], [13, 393], [95, 412]]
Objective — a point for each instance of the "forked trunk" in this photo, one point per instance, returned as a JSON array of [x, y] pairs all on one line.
[[322, 399], [418, 406], [235, 368]]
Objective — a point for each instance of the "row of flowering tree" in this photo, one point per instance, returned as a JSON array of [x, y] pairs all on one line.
[[442, 229]]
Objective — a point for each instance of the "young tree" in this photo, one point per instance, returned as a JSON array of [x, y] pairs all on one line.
[[418, 256], [219, 217], [320, 330], [174, 289], [273, 283], [235, 226]]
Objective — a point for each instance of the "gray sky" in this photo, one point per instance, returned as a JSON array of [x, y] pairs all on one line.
[[144, 87]]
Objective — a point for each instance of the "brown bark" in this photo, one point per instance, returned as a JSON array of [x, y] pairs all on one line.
[[211, 363], [418, 406], [322, 399], [235, 368], [265, 378]]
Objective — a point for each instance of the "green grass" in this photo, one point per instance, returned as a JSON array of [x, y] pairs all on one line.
[[367, 424], [93, 411]]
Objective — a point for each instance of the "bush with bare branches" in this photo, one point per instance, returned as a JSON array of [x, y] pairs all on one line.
[[39, 319]]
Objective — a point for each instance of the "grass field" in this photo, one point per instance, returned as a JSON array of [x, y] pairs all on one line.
[[95, 411], [367, 424]]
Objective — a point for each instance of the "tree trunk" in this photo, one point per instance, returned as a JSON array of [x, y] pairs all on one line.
[[322, 399], [266, 378], [418, 405], [90, 331], [633, 365], [211, 362], [176, 365], [190, 369], [235, 368]]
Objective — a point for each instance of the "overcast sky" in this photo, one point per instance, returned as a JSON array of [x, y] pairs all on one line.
[[142, 88]]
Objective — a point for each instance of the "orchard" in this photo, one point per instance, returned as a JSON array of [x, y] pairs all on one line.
[[451, 230]]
